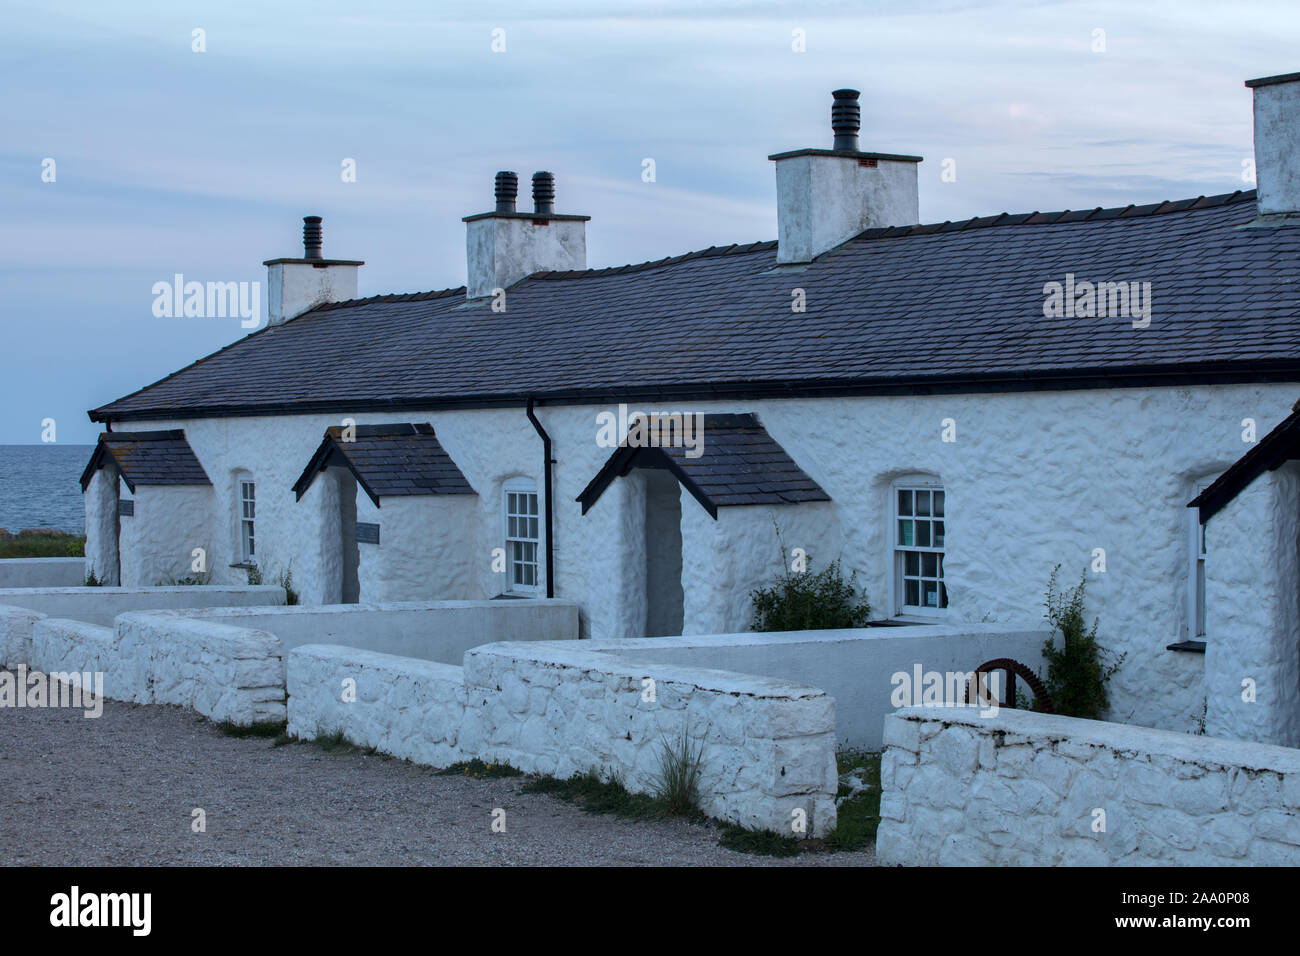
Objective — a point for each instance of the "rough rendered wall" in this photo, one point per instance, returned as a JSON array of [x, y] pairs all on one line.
[[428, 548], [1252, 656], [1033, 479], [101, 525], [1024, 789], [157, 542]]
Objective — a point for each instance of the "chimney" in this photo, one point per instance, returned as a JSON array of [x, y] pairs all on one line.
[[295, 286], [504, 246], [825, 197], [1277, 141]]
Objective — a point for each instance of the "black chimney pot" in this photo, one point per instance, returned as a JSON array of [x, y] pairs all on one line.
[[311, 237], [507, 189], [846, 119], [544, 193]]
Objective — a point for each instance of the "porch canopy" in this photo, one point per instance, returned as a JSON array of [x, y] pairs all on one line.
[[387, 460], [147, 458], [740, 464], [1271, 452]]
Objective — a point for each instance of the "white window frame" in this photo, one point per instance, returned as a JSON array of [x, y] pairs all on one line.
[[897, 550], [246, 517], [532, 534], [1196, 556]]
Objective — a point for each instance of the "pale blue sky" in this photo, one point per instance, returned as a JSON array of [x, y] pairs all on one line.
[[204, 163]]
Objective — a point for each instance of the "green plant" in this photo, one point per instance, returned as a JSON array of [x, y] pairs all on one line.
[[757, 842], [857, 814], [41, 543], [1079, 670], [286, 582], [677, 786], [254, 575], [92, 581], [595, 795], [478, 770], [804, 601], [267, 728]]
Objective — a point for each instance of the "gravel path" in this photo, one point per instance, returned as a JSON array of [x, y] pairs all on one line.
[[121, 789]]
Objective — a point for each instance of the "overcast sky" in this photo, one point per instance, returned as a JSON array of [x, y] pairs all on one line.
[[174, 161]]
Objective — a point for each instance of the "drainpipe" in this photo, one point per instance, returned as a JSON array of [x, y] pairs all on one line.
[[547, 462]]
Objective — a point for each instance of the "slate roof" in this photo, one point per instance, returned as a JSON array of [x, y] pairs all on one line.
[[1271, 452], [740, 464], [388, 460], [147, 458], [942, 307]]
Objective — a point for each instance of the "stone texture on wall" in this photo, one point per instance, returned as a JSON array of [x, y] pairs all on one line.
[[76, 647], [1025, 789], [16, 634], [409, 708], [557, 708], [1252, 654]]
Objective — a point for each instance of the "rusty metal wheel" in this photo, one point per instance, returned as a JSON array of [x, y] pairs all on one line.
[[1013, 668]]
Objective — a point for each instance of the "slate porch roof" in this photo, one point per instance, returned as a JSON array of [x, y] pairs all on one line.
[[951, 306], [1271, 452], [147, 458], [388, 461], [741, 464]]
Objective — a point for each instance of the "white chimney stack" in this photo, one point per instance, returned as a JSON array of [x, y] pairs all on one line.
[[1277, 140], [504, 246], [295, 286], [825, 197]]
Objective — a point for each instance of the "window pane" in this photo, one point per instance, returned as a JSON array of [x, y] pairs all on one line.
[[929, 594], [938, 534], [938, 504], [923, 503], [904, 502], [923, 534], [532, 504], [943, 595], [911, 563], [930, 565], [905, 532], [910, 594], [532, 526]]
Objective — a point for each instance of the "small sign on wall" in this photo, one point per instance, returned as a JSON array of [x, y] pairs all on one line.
[[126, 507], [367, 533]]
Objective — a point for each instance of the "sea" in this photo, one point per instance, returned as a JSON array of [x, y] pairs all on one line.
[[40, 487]]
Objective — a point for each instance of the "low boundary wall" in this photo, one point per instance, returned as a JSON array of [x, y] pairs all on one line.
[[42, 572], [559, 708], [855, 666], [1033, 789]]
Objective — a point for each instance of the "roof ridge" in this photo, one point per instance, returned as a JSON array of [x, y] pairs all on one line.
[[712, 252], [1037, 218], [387, 297]]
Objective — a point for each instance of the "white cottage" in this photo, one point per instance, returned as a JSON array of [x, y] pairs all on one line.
[[952, 409]]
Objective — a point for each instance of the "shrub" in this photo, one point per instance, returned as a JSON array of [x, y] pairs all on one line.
[[804, 601], [92, 581], [1078, 671]]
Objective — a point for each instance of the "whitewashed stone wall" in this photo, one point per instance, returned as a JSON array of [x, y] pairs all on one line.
[[769, 745], [1033, 479], [406, 707], [1252, 588], [1026, 789], [77, 647], [16, 634], [429, 548]]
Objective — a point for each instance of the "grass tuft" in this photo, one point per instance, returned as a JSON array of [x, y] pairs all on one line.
[[479, 770], [268, 728], [589, 792], [757, 842]]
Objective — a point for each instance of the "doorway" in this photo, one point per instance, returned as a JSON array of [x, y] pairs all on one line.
[[664, 598]]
